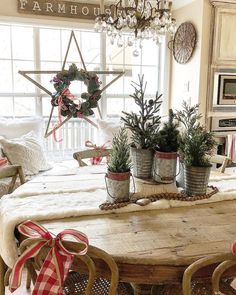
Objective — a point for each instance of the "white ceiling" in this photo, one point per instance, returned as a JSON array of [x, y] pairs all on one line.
[[176, 3]]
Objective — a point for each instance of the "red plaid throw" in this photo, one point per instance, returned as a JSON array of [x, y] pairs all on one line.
[[57, 263]]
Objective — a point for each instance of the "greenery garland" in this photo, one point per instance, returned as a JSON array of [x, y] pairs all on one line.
[[61, 83]]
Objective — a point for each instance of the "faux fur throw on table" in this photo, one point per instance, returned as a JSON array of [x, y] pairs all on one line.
[[67, 191]]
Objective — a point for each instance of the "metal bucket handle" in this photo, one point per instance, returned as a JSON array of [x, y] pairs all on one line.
[[114, 197], [160, 175]]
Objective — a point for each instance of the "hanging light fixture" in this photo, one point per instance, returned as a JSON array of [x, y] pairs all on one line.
[[139, 18]]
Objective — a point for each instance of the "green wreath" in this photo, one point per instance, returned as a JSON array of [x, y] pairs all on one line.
[[65, 100]]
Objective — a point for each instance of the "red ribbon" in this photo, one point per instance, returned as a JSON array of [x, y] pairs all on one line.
[[61, 106], [57, 263], [233, 248], [96, 160], [3, 161]]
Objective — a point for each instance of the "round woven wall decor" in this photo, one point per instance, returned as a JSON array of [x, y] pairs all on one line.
[[184, 42]]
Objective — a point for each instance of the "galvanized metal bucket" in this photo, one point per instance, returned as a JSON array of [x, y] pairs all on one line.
[[180, 175], [142, 160], [196, 180], [118, 189], [164, 167]]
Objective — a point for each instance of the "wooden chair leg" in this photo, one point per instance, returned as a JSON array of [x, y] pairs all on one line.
[[12, 184], [21, 175], [3, 269], [28, 280]]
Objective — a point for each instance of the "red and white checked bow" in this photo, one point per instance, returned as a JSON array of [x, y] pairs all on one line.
[[57, 263], [96, 160]]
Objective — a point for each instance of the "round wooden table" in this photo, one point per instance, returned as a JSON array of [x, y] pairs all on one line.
[[152, 247]]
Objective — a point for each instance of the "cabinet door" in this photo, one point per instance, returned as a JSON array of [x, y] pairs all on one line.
[[224, 48]]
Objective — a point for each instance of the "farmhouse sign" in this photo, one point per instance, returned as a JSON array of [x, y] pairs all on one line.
[[61, 8]]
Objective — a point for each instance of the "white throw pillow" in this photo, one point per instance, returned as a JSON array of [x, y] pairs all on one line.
[[27, 152], [107, 130], [13, 128]]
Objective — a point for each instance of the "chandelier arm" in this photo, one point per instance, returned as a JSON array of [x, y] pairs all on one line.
[[150, 6], [117, 7], [153, 11]]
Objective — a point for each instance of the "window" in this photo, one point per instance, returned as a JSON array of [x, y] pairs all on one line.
[[34, 48]]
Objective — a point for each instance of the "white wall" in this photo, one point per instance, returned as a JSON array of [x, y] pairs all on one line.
[[189, 81]]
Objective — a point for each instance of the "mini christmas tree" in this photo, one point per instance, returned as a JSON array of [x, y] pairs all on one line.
[[120, 158], [167, 138], [145, 124], [195, 142]]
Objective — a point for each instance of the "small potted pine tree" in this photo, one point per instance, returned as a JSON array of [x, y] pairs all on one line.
[[196, 143], [119, 165], [143, 125], [165, 158]]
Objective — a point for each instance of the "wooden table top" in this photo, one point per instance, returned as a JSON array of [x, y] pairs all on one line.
[[160, 243]]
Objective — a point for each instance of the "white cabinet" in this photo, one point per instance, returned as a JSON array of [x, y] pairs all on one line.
[[224, 42]]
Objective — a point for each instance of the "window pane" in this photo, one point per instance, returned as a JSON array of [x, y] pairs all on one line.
[[150, 53], [73, 54], [6, 76], [151, 76], [5, 44], [21, 84], [115, 106], [24, 106], [77, 87], [46, 102], [130, 58], [130, 105], [47, 78], [114, 54], [131, 75], [22, 43], [50, 45], [116, 87], [90, 47], [6, 106]]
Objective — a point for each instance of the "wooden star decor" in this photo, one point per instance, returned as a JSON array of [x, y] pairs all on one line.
[[67, 104]]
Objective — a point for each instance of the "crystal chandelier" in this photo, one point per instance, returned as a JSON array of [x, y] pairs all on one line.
[[139, 18]]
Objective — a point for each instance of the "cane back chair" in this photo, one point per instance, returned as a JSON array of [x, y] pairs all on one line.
[[223, 161], [218, 284], [82, 278], [209, 285], [86, 154], [12, 171]]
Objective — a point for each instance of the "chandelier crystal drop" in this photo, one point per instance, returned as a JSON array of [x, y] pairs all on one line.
[[139, 18]]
